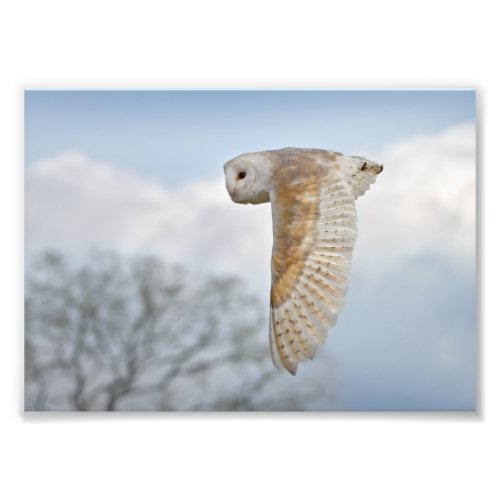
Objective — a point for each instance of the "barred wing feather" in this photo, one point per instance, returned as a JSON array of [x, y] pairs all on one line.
[[314, 226]]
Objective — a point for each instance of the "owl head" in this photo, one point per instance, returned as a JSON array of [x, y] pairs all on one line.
[[247, 178]]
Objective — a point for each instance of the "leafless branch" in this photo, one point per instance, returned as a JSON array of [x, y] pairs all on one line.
[[111, 333]]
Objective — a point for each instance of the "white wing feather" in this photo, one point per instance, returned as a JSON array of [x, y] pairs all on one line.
[[300, 323]]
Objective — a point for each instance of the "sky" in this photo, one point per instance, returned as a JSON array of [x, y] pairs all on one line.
[[174, 137], [142, 172]]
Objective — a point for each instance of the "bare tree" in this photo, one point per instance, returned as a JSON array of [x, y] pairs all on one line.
[[135, 334]]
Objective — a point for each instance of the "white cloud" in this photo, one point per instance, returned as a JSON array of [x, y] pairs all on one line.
[[416, 232], [73, 202], [423, 202]]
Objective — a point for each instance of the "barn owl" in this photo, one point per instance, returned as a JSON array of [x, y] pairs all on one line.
[[312, 193]]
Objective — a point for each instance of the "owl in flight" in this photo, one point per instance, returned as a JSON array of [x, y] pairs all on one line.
[[312, 193]]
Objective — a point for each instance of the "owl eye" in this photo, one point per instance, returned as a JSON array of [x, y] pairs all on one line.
[[242, 175]]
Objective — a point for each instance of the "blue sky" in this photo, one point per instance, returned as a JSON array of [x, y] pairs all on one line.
[[144, 175], [173, 136]]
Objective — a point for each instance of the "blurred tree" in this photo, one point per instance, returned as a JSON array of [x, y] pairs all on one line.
[[112, 333]]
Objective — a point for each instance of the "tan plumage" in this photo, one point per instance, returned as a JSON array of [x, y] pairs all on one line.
[[312, 195]]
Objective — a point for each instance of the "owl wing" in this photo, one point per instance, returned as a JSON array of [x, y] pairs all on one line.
[[314, 229]]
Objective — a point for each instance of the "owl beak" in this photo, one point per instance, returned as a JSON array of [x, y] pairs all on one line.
[[232, 193]]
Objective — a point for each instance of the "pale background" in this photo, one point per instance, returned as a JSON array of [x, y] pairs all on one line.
[[356, 456]]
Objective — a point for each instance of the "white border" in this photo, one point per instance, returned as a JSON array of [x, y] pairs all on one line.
[[222, 44]]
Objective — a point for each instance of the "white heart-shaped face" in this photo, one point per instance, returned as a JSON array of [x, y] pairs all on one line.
[[247, 179]]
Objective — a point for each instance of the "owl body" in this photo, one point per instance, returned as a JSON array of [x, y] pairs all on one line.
[[312, 194]]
